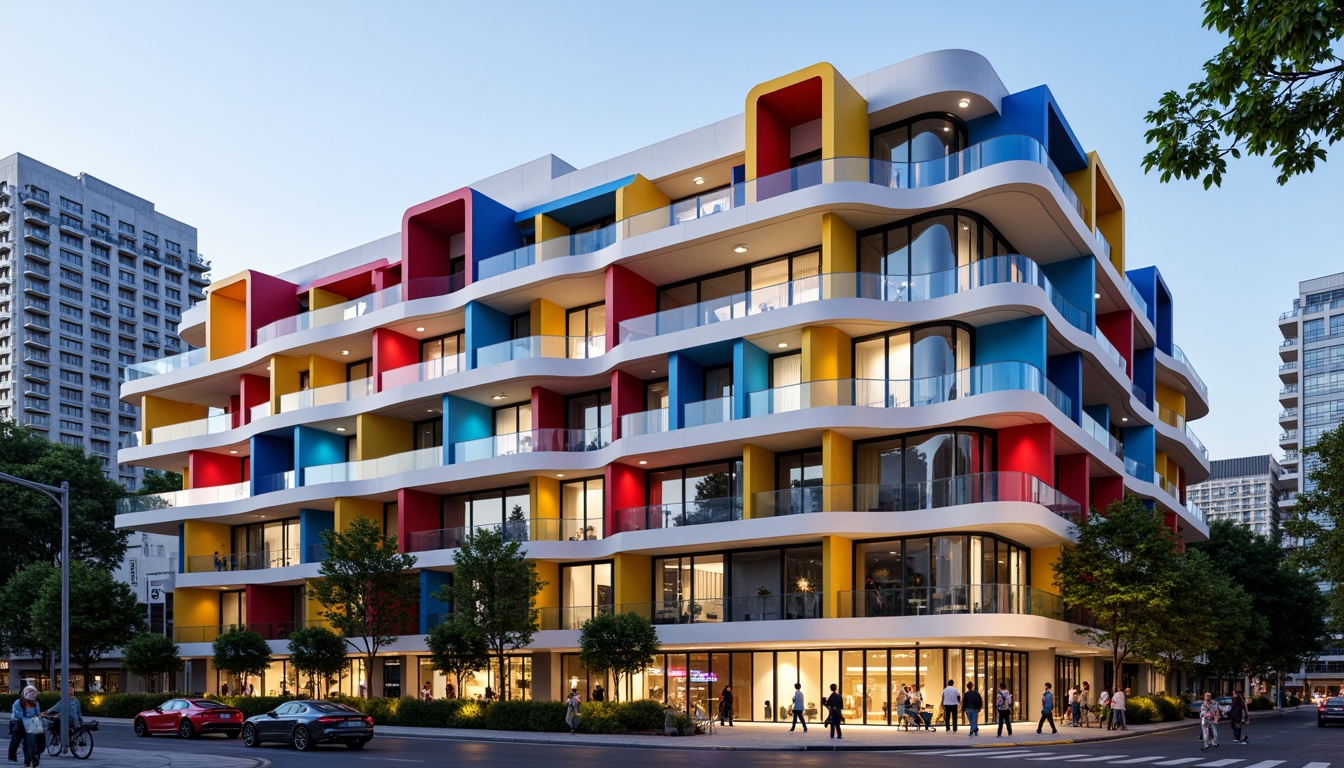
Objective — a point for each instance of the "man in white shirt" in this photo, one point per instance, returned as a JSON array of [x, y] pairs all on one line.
[[798, 708], [951, 702]]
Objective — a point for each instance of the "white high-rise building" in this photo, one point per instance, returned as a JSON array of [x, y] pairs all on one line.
[[1245, 491]]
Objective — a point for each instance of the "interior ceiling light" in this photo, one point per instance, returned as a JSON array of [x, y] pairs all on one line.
[[345, 351], [340, 429], [500, 396], [964, 103], [642, 462], [233, 452], [947, 129], [1124, 418], [419, 329], [559, 474], [783, 345], [740, 248], [699, 180], [1096, 295]]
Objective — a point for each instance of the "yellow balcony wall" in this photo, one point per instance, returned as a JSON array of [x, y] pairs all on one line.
[[202, 539], [639, 196], [377, 436], [162, 412], [347, 509], [837, 559], [839, 245], [547, 318], [226, 330], [1043, 561], [758, 476], [633, 575], [837, 471], [194, 607]]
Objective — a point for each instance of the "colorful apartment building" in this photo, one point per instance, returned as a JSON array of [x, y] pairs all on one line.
[[821, 389]]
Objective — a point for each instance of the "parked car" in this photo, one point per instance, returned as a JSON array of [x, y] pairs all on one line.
[[307, 723], [1224, 706], [189, 718], [1330, 710]]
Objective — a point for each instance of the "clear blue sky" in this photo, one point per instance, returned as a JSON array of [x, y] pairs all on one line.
[[287, 131]]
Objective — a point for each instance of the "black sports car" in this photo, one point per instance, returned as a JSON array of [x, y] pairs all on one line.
[[307, 723]]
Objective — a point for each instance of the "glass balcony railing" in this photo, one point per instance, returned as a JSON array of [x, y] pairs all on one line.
[[1291, 389], [243, 561], [712, 411], [211, 425], [280, 481], [703, 610], [1293, 342], [969, 598], [853, 285], [1290, 457], [573, 347], [1138, 469], [189, 498], [327, 315], [556, 248], [1138, 297], [165, 364], [1288, 414], [1170, 417], [644, 422], [1195, 511], [341, 392], [533, 441], [429, 369], [1179, 354], [1111, 351], [513, 530], [1288, 436], [259, 411], [978, 488], [1168, 486], [679, 514], [271, 630], [369, 469], [1105, 246], [1102, 435]]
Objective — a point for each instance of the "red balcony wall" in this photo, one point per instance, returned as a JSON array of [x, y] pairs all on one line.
[[624, 490], [1071, 477], [1029, 448], [628, 296], [627, 396], [1119, 329], [416, 511], [1106, 490], [392, 350], [208, 470], [253, 391]]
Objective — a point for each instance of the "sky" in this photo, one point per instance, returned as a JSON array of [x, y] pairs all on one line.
[[286, 131]]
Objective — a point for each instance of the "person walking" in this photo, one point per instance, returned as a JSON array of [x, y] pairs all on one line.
[[917, 707], [572, 710], [951, 703], [1118, 709], [1003, 708], [1085, 702], [726, 705], [1105, 701], [1073, 707], [971, 704], [1239, 714], [798, 708], [835, 706], [1208, 722], [903, 705], [599, 693], [25, 722], [1047, 710]]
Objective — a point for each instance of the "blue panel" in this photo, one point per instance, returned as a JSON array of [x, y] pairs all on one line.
[[315, 447], [464, 420], [1100, 414], [181, 548], [1066, 371], [751, 373], [492, 229], [1146, 281], [686, 384], [485, 326], [271, 455], [1022, 340], [580, 207], [1034, 113], [312, 522], [431, 582], [1076, 280], [1145, 375], [1140, 444]]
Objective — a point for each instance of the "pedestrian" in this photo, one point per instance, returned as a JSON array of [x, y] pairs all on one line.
[[798, 708], [1047, 710], [572, 710], [835, 706], [76, 717], [450, 691], [971, 704], [427, 693], [726, 705], [251, 690], [1073, 706], [1085, 701], [25, 722], [598, 693], [224, 689], [917, 706], [903, 705], [1105, 701], [1118, 709], [489, 693], [1208, 722], [1239, 714], [951, 703], [1003, 708]]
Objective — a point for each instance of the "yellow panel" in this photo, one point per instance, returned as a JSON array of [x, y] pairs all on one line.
[[312, 609], [633, 575], [226, 317], [758, 476], [161, 412], [839, 245], [1043, 561], [550, 238], [285, 374], [1081, 184], [1170, 399], [377, 436], [324, 372], [1160, 463], [639, 196], [545, 496], [193, 607], [321, 299], [549, 596], [844, 114], [348, 508], [200, 542], [826, 354], [837, 471], [837, 563], [548, 318]]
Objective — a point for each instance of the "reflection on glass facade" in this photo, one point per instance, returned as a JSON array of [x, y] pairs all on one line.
[[754, 585], [910, 367], [953, 573], [927, 137], [922, 255]]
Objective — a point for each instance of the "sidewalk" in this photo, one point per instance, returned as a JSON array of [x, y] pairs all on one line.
[[107, 757]]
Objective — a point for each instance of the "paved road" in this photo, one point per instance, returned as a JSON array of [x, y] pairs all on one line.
[[1292, 741]]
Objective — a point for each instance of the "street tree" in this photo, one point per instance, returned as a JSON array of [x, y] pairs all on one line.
[[240, 653], [494, 589], [149, 655], [1318, 522], [366, 588], [1274, 89], [622, 644], [1188, 629], [458, 647], [1124, 572], [318, 653], [104, 614], [18, 634], [155, 481]]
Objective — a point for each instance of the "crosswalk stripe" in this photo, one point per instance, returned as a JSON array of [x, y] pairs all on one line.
[[1098, 759], [1017, 754], [1134, 760], [1059, 757], [1316, 765], [1220, 763], [1266, 764], [1180, 761]]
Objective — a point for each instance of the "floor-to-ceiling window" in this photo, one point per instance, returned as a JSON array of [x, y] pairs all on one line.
[[581, 513], [912, 367], [585, 590], [927, 256]]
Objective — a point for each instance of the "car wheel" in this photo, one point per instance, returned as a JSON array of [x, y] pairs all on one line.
[[250, 736], [302, 740], [185, 730], [141, 729], [356, 744]]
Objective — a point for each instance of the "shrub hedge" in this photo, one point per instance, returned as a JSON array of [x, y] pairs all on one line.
[[1261, 702]]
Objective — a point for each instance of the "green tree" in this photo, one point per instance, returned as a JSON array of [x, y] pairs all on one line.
[[149, 655], [155, 481], [18, 634], [623, 644], [1273, 89], [494, 589], [240, 653], [318, 653], [1318, 523], [457, 647], [104, 614], [366, 587], [33, 521], [1124, 572]]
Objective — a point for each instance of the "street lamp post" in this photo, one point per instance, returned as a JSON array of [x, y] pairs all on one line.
[[61, 495]]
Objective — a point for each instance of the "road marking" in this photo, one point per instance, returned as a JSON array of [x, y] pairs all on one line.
[[1221, 763], [395, 759], [1316, 765], [983, 752], [1134, 760], [1180, 761], [1266, 764], [1015, 754], [1060, 757], [1099, 759]]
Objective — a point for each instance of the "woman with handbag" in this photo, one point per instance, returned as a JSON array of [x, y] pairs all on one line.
[[25, 723]]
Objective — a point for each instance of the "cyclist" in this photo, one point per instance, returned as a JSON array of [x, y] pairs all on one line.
[[75, 717]]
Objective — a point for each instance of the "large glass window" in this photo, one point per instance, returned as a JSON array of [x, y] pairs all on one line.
[[513, 429], [581, 514], [798, 480], [911, 367], [462, 512], [925, 257], [586, 328], [923, 471], [700, 493], [585, 591], [442, 354], [940, 574], [265, 545], [926, 137], [591, 415], [761, 287]]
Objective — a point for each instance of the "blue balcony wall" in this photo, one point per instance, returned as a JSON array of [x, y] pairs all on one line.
[[685, 384], [1154, 291], [312, 522], [1066, 372], [431, 582], [464, 420], [751, 373], [315, 447], [1145, 375], [271, 455], [492, 229], [1034, 113], [1076, 280], [1022, 340], [484, 326], [1100, 414], [1140, 444]]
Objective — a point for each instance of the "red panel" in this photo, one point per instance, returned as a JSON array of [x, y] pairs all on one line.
[[234, 412], [426, 238], [776, 114], [1119, 329], [548, 409], [210, 469], [1105, 491], [416, 511], [386, 277], [392, 350], [354, 282], [628, 296], [1071, 477], [625, 490], [268, 299], [254, 390], [267, 604], [1029, 448], [627, 396]]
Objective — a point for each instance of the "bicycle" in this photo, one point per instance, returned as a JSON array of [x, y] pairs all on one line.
[[81, 738]]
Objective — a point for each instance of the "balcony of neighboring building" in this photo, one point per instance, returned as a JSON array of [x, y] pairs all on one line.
[[1288, 372], [1288, 349], [1288, 323], [1288, 395], [1288, 417]]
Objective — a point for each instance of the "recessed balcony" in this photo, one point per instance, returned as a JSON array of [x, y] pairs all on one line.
[[1288, 372], [1288, 416]]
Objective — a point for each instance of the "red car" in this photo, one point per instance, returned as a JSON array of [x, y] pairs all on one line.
[[189, 718]]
